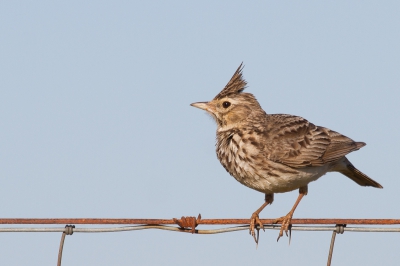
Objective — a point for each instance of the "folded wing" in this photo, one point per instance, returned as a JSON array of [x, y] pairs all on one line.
[[293, 141]]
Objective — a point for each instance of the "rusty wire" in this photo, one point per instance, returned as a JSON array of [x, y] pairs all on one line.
[[129, 228], [188, 225], [202, 221], [189, 230]]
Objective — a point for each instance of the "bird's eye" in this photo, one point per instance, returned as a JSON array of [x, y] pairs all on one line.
[[226, 104]]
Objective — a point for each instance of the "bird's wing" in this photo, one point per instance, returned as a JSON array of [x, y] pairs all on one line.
[[295, 142]]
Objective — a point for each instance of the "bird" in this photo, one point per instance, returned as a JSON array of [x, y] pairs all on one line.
[[275, 153]]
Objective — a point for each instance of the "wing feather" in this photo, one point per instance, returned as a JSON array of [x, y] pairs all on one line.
[[295, 142]]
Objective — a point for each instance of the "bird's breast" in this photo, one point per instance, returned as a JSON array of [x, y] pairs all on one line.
[[242, 156]]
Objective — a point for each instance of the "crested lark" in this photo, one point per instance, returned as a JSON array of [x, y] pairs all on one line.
[[275, 153]]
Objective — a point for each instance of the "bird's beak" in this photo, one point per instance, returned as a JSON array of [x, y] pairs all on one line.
[[205, 106]]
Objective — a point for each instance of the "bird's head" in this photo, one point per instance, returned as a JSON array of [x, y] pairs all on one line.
[[231, 106]]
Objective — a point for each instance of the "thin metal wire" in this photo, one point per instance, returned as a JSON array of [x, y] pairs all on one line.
[[338, 230], [68, 230], [197, 231], [162, 224], [331, 248], [202, 221], [60, 250]]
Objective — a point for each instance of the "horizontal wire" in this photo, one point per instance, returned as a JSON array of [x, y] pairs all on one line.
[[197, 231], [327, 221]]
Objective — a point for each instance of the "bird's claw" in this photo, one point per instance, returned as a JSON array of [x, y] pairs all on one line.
[[254, 221], [286, 225]]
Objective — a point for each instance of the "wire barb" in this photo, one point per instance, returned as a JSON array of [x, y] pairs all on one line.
[[188, 225], [188, 222]]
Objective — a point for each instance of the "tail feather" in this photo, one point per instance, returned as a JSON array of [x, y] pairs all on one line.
[[356, 175]]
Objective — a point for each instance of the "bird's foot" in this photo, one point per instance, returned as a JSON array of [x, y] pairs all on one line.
[[286, 225], [254, 221]]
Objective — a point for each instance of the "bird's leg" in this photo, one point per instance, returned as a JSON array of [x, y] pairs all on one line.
[[286, 221], [255, 219]]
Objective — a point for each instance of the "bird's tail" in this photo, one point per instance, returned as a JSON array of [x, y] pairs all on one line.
[[348, 169]]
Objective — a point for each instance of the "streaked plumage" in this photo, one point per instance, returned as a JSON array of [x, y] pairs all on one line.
[[275, 153]]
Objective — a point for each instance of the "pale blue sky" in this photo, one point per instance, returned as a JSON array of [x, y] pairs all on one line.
[[95, 122]]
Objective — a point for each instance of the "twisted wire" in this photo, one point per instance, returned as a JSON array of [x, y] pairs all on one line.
[[197, 231], [70, 229]]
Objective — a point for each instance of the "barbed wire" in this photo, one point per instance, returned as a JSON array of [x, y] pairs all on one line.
[[200, 221], [197, 231], [189, 224]]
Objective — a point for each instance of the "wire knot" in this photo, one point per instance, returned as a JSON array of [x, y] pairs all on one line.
[[69, 229], [188, 222], [340, 228]]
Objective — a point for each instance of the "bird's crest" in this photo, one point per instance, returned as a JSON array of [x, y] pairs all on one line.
[[236, 85]]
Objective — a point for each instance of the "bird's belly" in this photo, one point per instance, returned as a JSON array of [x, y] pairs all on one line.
[[272, 177], [250, 167]]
